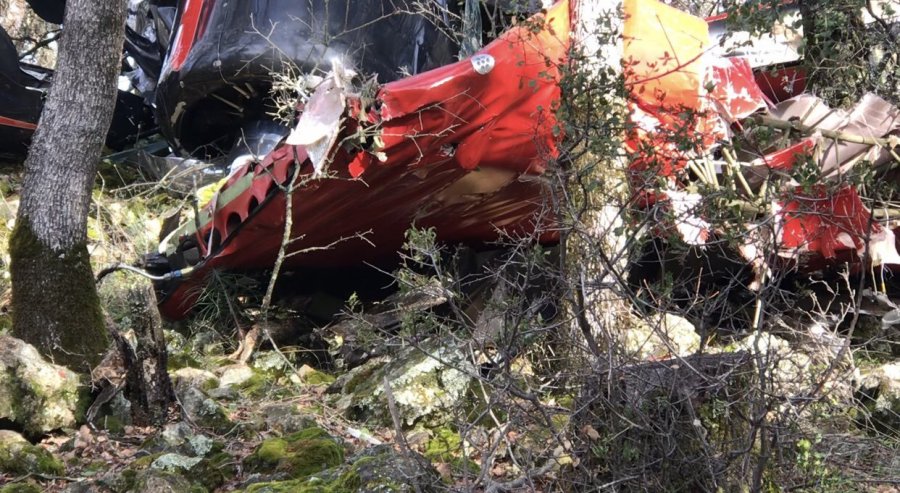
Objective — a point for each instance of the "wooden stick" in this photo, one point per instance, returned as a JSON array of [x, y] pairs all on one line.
[[769, 121]]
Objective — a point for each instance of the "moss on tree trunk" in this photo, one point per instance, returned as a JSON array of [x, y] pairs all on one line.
[[64, 321]]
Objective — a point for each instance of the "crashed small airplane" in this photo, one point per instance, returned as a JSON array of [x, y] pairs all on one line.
[[421, 128]]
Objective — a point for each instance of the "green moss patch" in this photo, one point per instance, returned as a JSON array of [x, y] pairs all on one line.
[[69, 324], [20, 488], [299, 454], [21, 458], [444, 447]]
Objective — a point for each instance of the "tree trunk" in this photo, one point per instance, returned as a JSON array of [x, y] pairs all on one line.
[[593, 177], [55, 302], [147, 386]]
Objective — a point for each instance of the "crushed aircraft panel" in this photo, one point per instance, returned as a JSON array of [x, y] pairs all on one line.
[[821, 224], [460, 150]]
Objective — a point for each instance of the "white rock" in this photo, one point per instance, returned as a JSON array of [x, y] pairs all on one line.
[[234, 375], [36, 394], [663, 337]]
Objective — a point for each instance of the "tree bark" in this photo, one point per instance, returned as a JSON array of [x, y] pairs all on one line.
[[594, 184], [55, 301], [147, 384]]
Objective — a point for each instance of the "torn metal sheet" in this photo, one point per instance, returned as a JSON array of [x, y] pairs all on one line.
[[685, 97], [320, 123], [782, 44], [735, 95], [871, 117], [828, 223]]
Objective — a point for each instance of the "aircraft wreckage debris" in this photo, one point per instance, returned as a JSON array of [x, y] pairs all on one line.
[[460, 145]]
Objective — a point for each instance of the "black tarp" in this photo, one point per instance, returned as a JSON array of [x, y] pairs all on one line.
[[22, 89], [50, 10], [17, 101], [224, 80]]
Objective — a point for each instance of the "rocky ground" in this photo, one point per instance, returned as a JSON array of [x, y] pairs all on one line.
[[350, 398]]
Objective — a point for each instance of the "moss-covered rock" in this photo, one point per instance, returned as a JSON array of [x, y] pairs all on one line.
[[189, 377], [181, 355], [199, 473], [880, 394], [376, 469], [325, 483], [285, 418], [662, 337], [180, 449], [175, 462], [297, 455], [182, 439], [209, 473], [235, 374], [426, 381], [21, 488], [159, 481], [37, 395], [380, 468], [204, 411], [255, 386], [213, 471], [310, 376], [19, 457]]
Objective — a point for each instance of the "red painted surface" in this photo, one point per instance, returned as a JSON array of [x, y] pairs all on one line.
[[782, 84], [463, 151], [734, 95], [10, 122], [785, 159], [460, 149], [188, 31], [826, 222]]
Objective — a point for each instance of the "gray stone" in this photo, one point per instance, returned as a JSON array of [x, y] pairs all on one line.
[[181, 438], [286, 418], [35, 394], [203, 410], [193, 377], [380, 468], [158, 481], [880, 394], [175, 462], [233, 375], [426, 381]]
